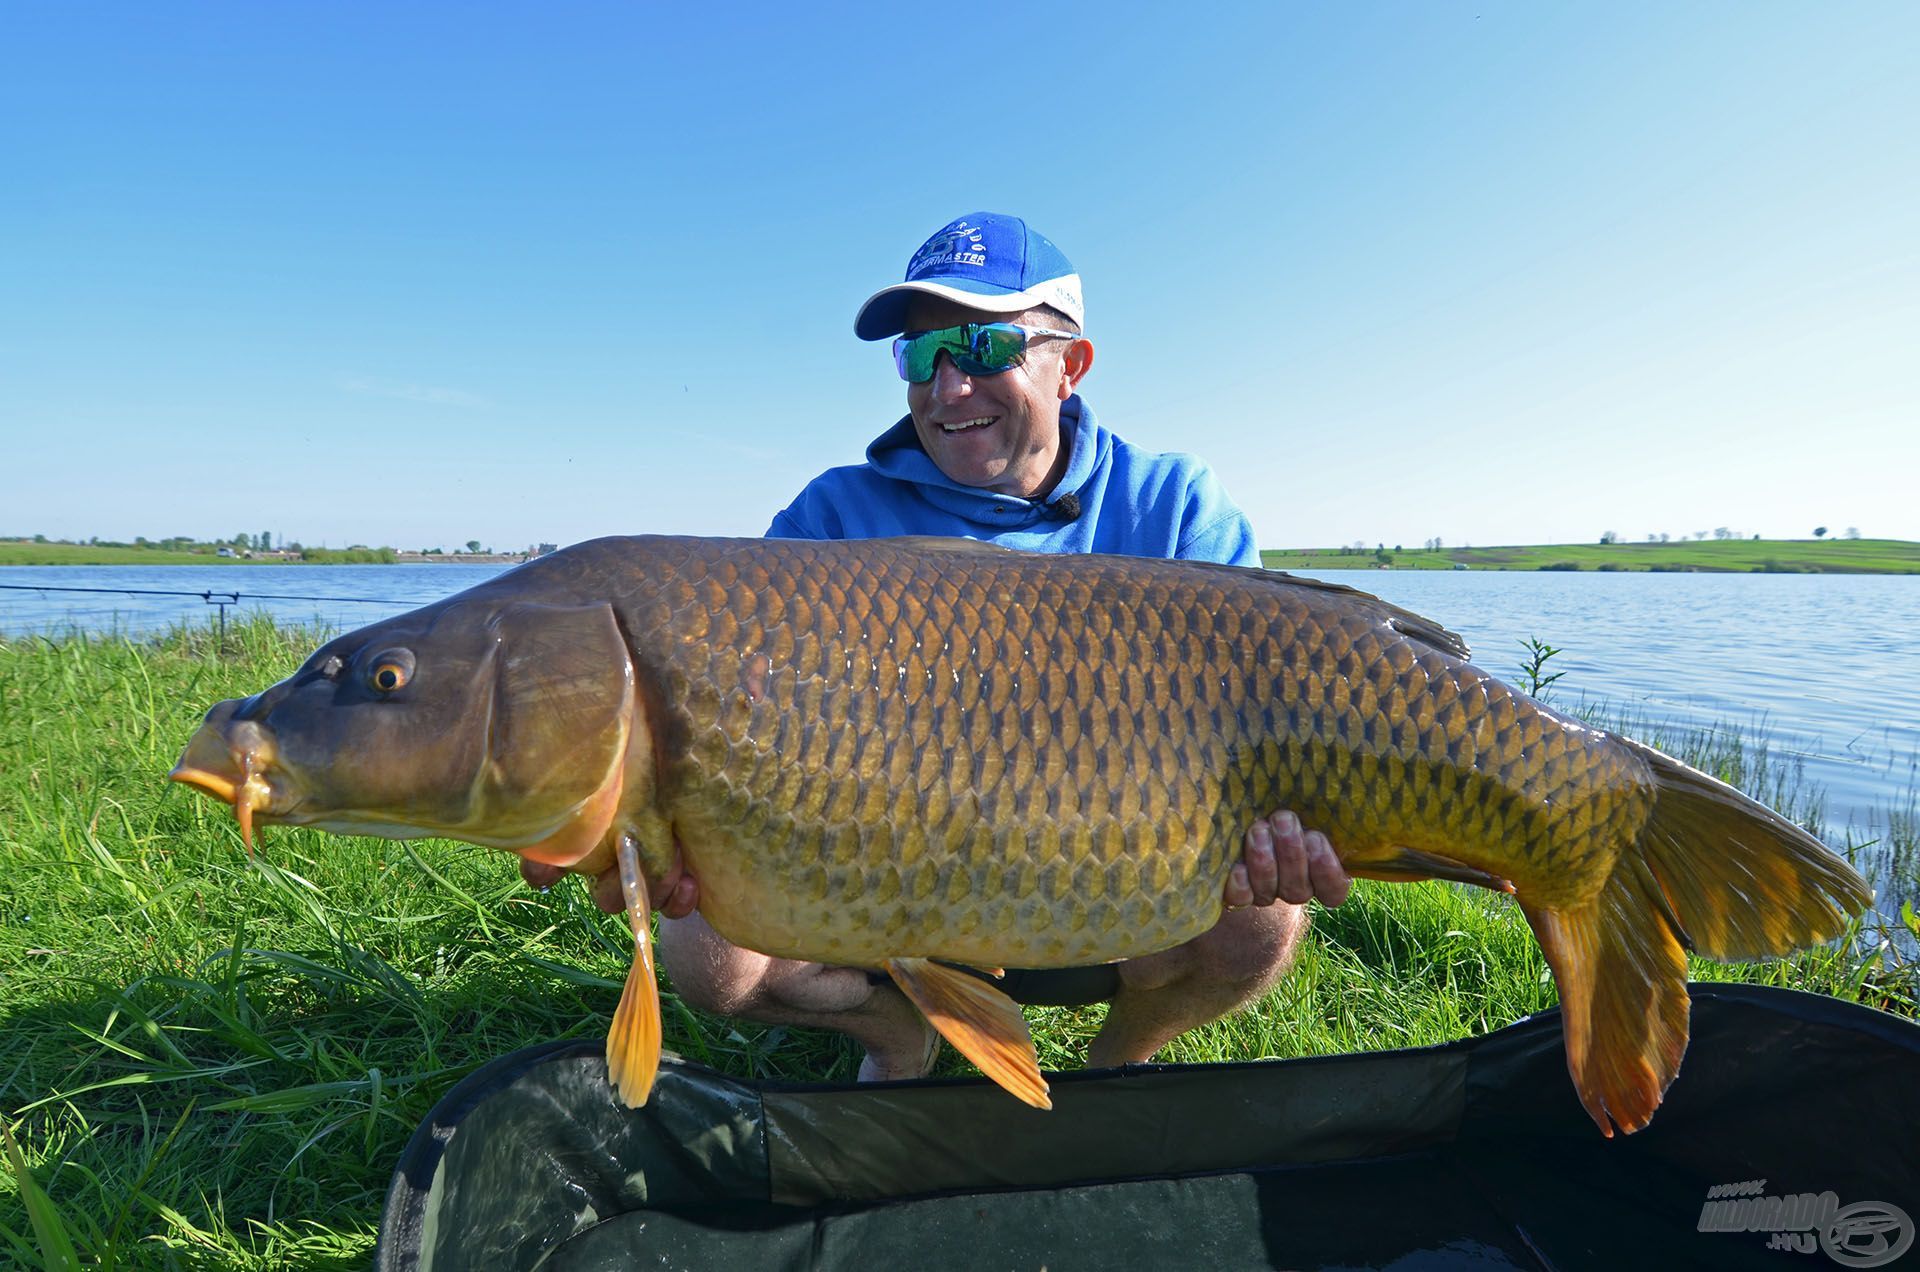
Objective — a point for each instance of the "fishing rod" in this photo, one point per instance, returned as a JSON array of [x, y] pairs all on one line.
[[222, 599]]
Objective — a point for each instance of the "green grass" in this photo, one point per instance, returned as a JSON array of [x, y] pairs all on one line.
[[1793, 556], [16, 552], [212, 1061], [20, 552], [1815, 556]]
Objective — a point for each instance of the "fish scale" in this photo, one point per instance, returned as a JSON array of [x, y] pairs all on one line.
[[893, 752], [800, 801]]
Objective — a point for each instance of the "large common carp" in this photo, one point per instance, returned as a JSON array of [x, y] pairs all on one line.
[[892, 752]]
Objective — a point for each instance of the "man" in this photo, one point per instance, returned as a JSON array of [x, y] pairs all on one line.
[[997, 446]]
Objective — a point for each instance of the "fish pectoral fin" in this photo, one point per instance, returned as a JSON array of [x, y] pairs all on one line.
[[1408, 865], [633, 1043], [982, 1023]]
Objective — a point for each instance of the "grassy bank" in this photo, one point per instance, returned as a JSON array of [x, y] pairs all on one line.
[[1790, 556], [22, 553], [19, 553], [1786, 556], [212, 1061]]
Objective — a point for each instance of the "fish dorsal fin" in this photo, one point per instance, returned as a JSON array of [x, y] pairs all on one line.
[[947, 543], [1405, 621], [981, 1022]]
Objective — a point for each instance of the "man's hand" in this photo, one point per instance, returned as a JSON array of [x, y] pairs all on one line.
[[1281, 861], [680, 901]]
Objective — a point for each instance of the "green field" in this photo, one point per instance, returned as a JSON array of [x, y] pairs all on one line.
[[1794, 556], [1788, 556], [19, 552], [212, 1061]]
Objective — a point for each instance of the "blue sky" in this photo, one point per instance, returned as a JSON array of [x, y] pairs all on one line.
[[1497, 273]]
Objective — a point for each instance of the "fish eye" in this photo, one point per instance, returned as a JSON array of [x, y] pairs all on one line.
[[389, 670]]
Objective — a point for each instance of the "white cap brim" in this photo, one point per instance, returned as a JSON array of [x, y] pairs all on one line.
[[885, 313]]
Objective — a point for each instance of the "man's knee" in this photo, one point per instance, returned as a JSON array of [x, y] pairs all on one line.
[[1264, 947], [711, 973], [1245, 953], [707, 970]]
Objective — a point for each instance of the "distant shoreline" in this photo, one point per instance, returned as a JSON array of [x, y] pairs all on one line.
[[1699, 556], [18, 552], [1706, 556], [464, 558]]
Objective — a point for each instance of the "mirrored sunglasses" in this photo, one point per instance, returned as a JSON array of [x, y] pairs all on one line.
[[977, 348]]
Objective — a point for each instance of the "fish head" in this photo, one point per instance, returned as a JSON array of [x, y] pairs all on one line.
[[506, 724]]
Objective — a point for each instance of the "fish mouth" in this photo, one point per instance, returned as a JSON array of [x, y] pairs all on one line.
[[230, 763], [221, 788], [251, 796]]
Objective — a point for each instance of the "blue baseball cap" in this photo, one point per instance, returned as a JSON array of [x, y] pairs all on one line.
[[985, 261]]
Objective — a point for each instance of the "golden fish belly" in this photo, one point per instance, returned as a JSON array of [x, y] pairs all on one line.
[[1017, 761]]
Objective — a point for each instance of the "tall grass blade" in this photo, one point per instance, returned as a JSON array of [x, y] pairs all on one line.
[[479, 911], [56, 1247], [112, 1254]]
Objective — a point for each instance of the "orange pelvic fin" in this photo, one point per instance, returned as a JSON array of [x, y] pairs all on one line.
[[633, 1044], [1622, 974], [1405, 865], [983, 1023]]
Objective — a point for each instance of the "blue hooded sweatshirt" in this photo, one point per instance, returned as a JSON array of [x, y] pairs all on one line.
[[1131, 501]]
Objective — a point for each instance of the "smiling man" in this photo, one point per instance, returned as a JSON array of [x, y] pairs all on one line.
[[997, 446]]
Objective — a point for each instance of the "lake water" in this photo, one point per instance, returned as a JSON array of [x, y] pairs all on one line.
[[356, 594], [1828, 666]]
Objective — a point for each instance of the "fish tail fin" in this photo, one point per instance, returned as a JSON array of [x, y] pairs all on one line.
[[1711, 871], [1739, 880], [1622, 973], [633, 1043]]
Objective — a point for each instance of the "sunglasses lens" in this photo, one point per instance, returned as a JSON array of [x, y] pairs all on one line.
[[913, 359], [998, 346], [977, 349]]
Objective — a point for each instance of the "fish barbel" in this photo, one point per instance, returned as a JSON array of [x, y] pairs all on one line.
[[891, 752]]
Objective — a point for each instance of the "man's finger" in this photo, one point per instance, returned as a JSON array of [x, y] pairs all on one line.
[[1263, 874], [1239, 894], [681, 900], [1330, 879], [1292, 883], [539, 874], [607, 892]]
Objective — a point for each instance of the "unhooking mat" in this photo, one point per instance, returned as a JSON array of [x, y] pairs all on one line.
[[1791, 1139]]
